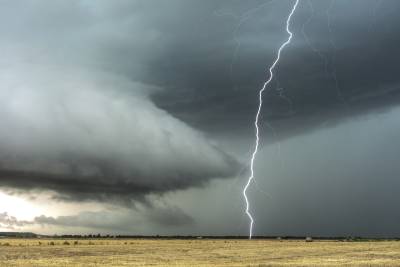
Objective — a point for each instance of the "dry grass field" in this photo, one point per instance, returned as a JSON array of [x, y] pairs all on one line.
[[137, 252]]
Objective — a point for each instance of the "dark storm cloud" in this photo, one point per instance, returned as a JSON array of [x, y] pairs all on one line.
[[87, 88], [360, 48], [73, 125], [85, 140]]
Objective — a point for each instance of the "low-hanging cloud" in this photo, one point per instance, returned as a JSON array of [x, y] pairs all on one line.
[[91, 135], [116, 220], [10, 222], [120, 220]]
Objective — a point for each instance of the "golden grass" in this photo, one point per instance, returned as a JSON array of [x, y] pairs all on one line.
[[137, 252]]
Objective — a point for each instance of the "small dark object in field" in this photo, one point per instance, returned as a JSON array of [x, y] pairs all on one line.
[[76, 243], [66, 243], [51, 243]]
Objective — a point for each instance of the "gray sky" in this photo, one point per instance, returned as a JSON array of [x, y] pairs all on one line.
[[137, 116]]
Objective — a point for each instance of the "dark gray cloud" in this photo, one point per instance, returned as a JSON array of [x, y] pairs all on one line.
[[360, 50], [120, 100], [78, 123], [187, 48], [84, 139]]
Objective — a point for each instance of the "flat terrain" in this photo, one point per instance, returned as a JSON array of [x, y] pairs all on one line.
[[202, 252]]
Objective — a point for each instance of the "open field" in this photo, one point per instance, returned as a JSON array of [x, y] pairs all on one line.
[[139, 252]]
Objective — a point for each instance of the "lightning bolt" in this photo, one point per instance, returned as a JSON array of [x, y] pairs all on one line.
[[260, 102]]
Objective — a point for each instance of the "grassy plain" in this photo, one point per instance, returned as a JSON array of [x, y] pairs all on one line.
[[139, 252]]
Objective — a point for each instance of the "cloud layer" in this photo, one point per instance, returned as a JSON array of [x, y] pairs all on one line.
[[118, 220], [89, 137]]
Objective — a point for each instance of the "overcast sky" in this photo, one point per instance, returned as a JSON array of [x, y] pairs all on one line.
[[136, 117]]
